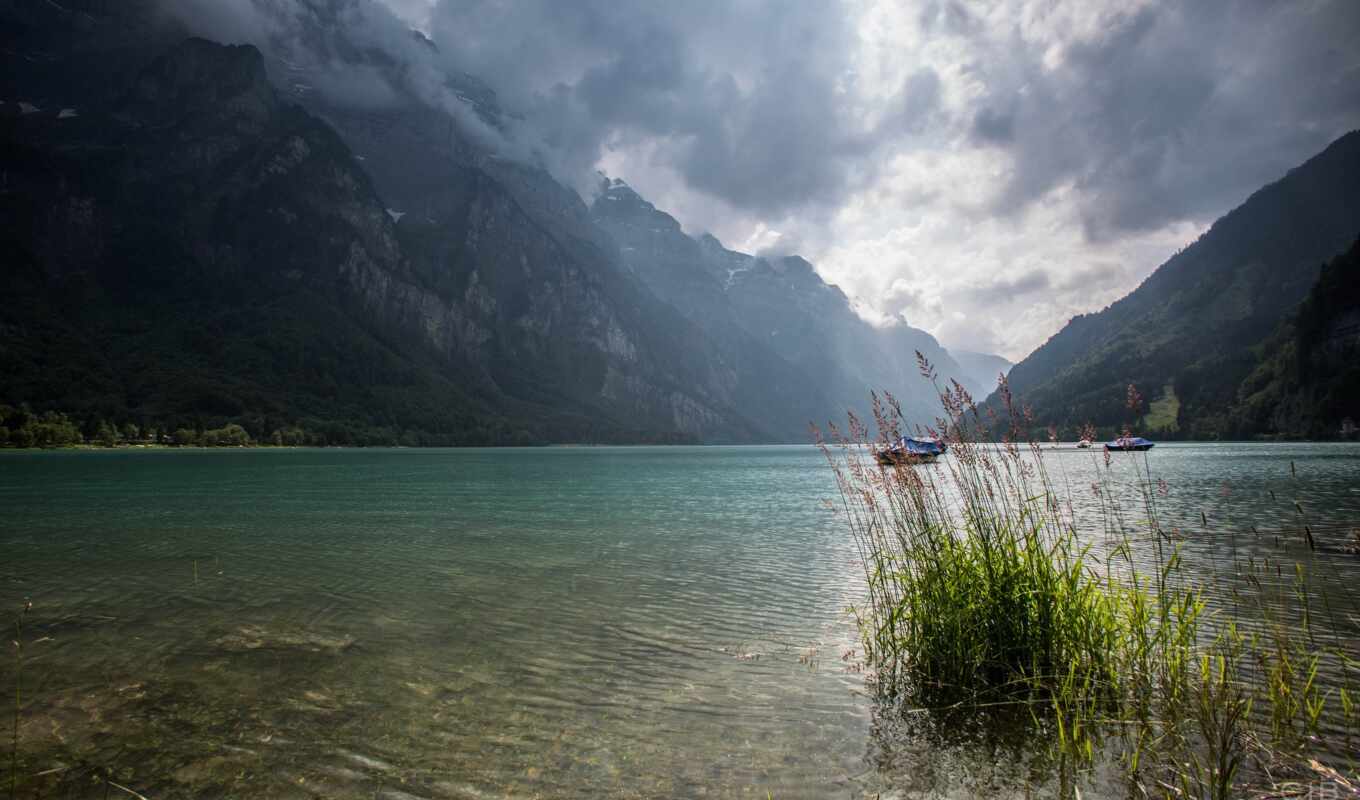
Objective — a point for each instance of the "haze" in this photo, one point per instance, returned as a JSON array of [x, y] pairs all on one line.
[[984, 170]]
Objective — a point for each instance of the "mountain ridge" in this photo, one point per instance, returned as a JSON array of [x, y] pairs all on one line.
[[778, 304], [1306, 384], [257, 253], [1184, 335], [191, 121]]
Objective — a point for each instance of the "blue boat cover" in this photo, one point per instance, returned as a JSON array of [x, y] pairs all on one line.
[[920, 447], [1128, 441]]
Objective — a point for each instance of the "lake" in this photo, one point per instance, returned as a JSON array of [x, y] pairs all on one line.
[[562, 622]]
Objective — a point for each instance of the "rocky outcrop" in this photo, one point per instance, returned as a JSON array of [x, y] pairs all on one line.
[[306, 259], [775, 311], [542, 302], [200, 182]]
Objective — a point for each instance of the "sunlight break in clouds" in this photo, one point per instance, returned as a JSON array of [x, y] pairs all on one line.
[[986, 169]]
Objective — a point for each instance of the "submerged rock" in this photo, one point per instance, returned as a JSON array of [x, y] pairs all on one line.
[[254, 637]]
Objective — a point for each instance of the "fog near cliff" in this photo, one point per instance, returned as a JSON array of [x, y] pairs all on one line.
[[986, 170], [357, 53]]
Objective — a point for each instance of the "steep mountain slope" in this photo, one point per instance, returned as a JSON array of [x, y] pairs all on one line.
[[1307, 382], [1184, 337], [202, 237], [666, 368], [777, 312], [188, 251], [191, 248], [673, 267]]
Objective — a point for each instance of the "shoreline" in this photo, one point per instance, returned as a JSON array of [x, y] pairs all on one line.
[[1059, 448]]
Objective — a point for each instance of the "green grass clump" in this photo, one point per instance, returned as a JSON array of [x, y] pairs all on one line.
[[1000, 606], [983, 593]]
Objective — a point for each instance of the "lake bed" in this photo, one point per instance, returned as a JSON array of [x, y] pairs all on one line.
[[563, 622]]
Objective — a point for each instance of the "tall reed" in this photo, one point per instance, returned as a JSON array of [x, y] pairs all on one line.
[[18, 697], [984, 590]]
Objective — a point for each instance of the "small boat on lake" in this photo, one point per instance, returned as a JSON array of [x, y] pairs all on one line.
[[1084, 444], [1129, 444], [911, 450]]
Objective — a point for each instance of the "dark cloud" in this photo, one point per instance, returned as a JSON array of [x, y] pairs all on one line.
[[356, 53], [1178, 111], [915, 107], [1091, 277], [1068, 134], [746, 102], [1172, 111], [992, 126]]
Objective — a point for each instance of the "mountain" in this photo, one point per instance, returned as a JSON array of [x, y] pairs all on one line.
[[1307, 380], [1185, 337], [187, 247], [980, 370], [199, 236], [776, 312], [191, 247]]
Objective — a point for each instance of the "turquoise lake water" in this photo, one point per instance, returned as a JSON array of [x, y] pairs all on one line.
[[567, 622]]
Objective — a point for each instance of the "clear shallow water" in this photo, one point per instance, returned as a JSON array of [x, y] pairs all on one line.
[[483, 623]]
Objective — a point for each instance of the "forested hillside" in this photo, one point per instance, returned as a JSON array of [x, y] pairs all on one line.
[[1187, 337], [1307, 381]]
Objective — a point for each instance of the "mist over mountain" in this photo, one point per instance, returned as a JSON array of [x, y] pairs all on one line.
[[981, 371], [776, 310], [209, 233]]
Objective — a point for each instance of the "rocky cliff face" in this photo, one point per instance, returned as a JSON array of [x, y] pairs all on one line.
[[775, 310], [545, 306], [210, 238], [198, 248], [674, 267], [197, 183]]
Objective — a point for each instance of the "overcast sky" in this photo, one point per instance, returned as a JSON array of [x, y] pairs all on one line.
[[985, 169]]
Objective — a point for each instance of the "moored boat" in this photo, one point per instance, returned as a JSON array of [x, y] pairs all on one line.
[[1084, 444], [911, 450], [1129, 444]]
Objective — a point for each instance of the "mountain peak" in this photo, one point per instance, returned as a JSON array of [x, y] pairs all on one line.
[[198, 76], [618, 202]]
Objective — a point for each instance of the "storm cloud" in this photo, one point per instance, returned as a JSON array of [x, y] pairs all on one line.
[[1170, 110], [750, 102], [1014, 161]]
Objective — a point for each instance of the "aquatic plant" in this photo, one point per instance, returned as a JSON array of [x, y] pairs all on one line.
[[18, 696], [986, 592]]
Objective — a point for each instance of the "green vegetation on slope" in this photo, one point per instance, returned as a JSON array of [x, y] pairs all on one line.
[[1193, 324], [1164, 413], [1307, 380]]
